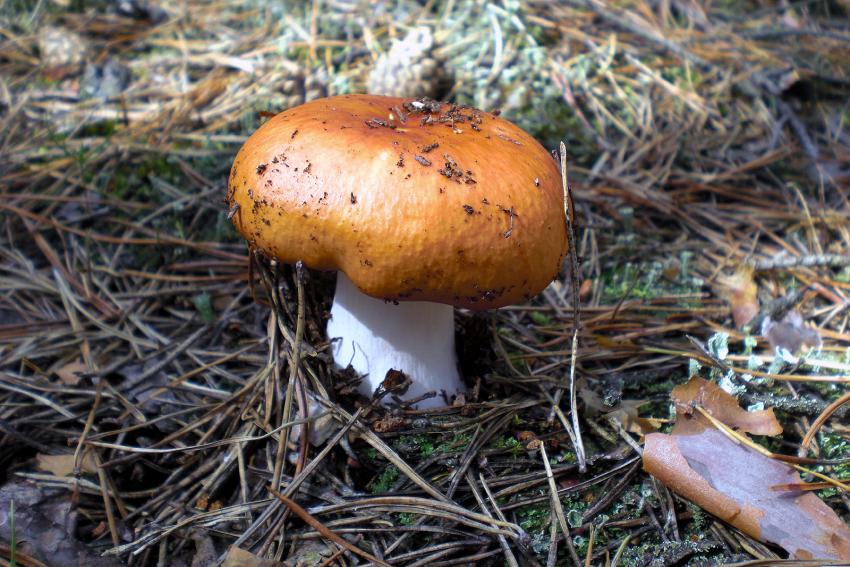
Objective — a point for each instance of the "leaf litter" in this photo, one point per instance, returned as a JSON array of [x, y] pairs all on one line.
[[738, 484], [700, 138]]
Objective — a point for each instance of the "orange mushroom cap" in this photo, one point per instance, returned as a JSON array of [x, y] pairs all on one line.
[[411, 199]]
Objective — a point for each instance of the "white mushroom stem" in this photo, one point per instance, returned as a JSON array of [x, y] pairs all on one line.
[[375, 336]]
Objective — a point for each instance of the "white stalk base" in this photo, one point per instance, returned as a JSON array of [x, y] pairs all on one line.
[[415, 337]]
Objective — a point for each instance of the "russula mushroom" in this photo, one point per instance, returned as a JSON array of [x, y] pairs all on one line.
[[419, 206]]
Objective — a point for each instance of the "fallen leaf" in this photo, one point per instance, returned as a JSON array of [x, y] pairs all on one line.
[[790, 21], [63, 465], [627, 414], [396, 381], [790, 333], [722, 406], [46, 526], [310, 553], [742, 293], [238, 557], [738, 484], [472, 394], [592, 402], [321, 428], [203, 502], [99, 529], [525, 436], [70, 374], [529, 439], [608, 342], [672, 270], [205, 553], [585, 289], [459, 401]]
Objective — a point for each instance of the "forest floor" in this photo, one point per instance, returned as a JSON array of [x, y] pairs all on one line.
[[144, 372]]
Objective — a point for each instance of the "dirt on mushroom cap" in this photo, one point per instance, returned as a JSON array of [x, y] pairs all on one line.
[[344, 183]]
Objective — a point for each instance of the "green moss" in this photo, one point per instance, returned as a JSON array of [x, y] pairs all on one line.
[[131, 181], [459, 441], [699, 520], [541, 318], [203, 304], [385, 481], [834, 447], [569, 458], [102, 128], [535, 522], [420, 444], [510, 443], [647, 280]]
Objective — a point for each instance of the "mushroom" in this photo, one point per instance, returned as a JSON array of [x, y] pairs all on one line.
[[419, 206]]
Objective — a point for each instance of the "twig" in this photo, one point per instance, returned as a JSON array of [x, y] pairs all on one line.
[[107, 503], [809, 261], [294, 360], [559, 510], [572, 243], [817, 423], [782, 32], [326, 533], [509, 556]]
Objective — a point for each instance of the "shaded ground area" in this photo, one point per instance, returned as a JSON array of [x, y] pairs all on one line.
[[146, 396]]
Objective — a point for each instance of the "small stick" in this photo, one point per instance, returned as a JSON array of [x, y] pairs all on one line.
[[337, 554], [294, 359], [86, 429], [559, 510], [569, 215], [107, 503], [591, 539], [831, 260], [552, 556], [503, 542], [326, 532], [821, 419]]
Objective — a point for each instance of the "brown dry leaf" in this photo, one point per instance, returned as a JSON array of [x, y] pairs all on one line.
[[238, 557], [388, 424], [222, 302], [738, 484], [322, 425], [627, 414], [45, 526], [70, 373], [203, 502], [63, 465], [99, 529], [585, 288], [205, 553], [742, 293], [606, 342], [459, 401], [722, 406], [790, 333], [528, 438]]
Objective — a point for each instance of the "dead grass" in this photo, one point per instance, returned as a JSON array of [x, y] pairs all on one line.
[[701, 137]]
